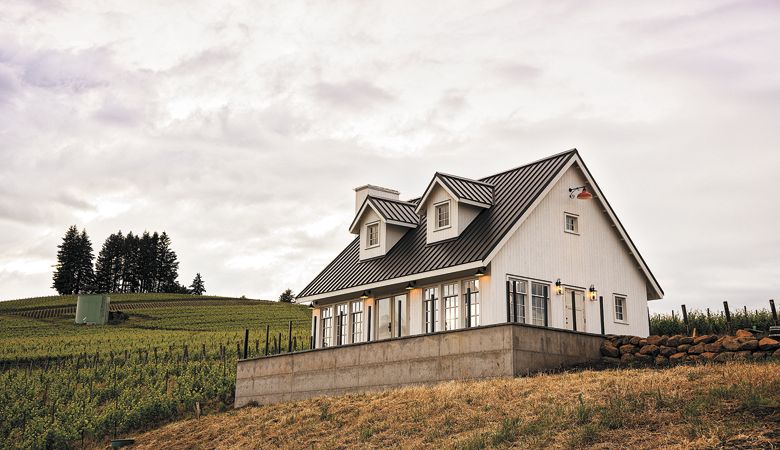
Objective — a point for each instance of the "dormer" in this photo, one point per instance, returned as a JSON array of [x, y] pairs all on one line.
[[451, 203], [381, 220]]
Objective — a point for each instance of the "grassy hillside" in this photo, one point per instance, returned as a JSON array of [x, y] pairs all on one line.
[[58, 379], [70, 300], [730, 406]]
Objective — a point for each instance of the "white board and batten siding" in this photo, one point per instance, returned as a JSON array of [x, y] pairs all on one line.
[[541, 249]]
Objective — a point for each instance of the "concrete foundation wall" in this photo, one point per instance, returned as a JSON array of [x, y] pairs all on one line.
[[485, 352]]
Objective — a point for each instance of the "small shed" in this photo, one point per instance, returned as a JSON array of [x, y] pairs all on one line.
[[92, 309]]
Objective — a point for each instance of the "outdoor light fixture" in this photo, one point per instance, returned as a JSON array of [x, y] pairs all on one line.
[[313, 304], [480, 271], [558, 287], [581, 192], [410, 286], [365, 295], [592, 292]]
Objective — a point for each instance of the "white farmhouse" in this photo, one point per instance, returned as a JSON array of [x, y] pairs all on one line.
[[538, 244]]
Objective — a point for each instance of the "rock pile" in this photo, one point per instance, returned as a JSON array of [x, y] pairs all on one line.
[[665, 350]]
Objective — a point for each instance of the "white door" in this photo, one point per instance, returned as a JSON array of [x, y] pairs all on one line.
[[400, 322], [574, 303]]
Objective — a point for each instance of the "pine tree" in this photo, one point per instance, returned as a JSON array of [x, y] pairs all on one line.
[[85, 275], [74, 274], [168, 265], [148, 262], [197, 287], [67, 262], [287, 296], [108, 269], [130, 263]]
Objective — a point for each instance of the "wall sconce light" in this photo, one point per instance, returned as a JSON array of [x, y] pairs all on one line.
[[581, 192], [592, 292], [410, 286], [558, 287], [480, 272], [313, 304], [365, 295]]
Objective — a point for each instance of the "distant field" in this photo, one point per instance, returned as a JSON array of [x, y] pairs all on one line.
[[58, 379], [70, 300]]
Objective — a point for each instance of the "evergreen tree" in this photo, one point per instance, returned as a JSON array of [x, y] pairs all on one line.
[[130, 263], [67, 262], [108, 269], [287, 296], [148, 262], [74, 274], [85, 275], [197, 287], [168, 265]]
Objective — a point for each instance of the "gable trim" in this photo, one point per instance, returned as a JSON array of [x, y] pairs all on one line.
[[420, 210]]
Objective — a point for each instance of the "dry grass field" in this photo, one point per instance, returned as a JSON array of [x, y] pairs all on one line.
[[734, 405]]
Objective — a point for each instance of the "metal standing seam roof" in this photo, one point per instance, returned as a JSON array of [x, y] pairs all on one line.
[[395, 210], [464, 188], [514, 191]]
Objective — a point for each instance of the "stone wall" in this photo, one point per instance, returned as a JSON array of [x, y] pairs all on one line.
[[502, 350], [665, 350]]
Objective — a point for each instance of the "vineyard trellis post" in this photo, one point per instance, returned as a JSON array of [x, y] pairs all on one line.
[[246, 343], [289, 338], [774, 311], [685, 320], [728, 315], [267, 331]]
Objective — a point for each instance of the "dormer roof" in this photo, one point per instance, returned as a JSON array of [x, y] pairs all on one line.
[[465, 190], [394, 212]]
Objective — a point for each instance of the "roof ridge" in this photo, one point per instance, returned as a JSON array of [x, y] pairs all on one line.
[[391, 200], [471, 180], [546, 158]]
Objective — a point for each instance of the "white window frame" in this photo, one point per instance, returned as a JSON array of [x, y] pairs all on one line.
[[355, 331], [426, 322], [615, 297], [326, 320], [576, 218], [368, 234], [528, 297], [436, 206], [476, 302]]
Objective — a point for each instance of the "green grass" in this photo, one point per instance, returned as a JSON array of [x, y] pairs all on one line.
[[70, 300], [58, 379]]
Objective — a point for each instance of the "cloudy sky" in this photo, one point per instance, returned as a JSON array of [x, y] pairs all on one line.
[[240, 128]]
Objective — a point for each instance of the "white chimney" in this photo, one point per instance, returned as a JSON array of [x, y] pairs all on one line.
[[375, 191]]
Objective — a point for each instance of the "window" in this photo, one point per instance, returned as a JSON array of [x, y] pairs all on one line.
[[431, 310], [357, 321], [341, 324], [372, 235], [539, 294], [518, 303], [327, 325], [571, 225], [442, 212], [620, 308], [471, 299], [451, 307]]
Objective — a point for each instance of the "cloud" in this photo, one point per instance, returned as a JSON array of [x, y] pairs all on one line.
[[353, 94], [241, 129]]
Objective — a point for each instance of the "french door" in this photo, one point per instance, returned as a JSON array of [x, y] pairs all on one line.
[[574, 305]]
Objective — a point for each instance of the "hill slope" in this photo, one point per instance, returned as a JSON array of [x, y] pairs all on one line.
[[59, 379], [734, 406]]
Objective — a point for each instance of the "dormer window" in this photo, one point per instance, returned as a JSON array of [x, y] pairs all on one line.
[[442, 213], [372, 235]]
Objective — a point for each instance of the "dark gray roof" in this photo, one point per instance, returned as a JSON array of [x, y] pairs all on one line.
[[394, 210], [513, 193], [466, 189]]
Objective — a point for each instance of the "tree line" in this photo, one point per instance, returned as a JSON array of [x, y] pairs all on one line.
[[126, 263]]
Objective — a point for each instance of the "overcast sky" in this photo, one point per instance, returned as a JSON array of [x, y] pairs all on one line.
[[240, 128]]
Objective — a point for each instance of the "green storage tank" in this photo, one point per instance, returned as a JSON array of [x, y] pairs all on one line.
[[92, 309]]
